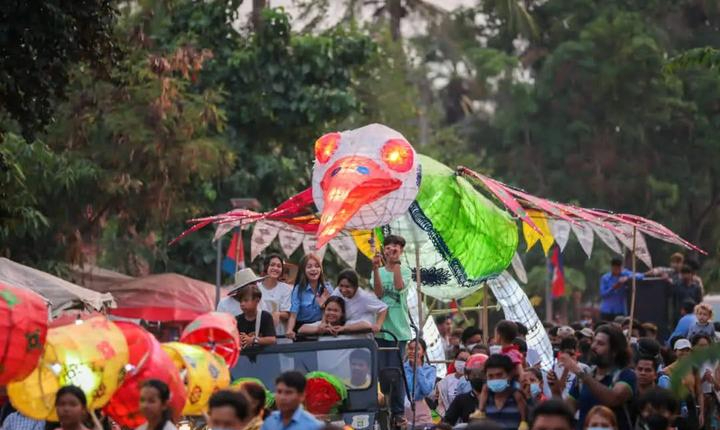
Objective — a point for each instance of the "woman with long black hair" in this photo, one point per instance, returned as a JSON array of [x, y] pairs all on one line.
[[308, 295], [155, 406]]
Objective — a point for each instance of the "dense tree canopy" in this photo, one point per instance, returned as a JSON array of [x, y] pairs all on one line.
[[40, 41], [609, 104]]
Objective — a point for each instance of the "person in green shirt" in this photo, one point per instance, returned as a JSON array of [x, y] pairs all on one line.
[[391, 282]]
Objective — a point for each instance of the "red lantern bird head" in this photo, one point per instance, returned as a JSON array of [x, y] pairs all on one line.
[[362, 179]]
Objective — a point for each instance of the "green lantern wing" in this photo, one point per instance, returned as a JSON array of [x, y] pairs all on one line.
[[462, 237]]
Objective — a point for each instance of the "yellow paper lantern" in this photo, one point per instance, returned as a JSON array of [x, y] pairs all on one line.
[[203, 373], [91, 355]]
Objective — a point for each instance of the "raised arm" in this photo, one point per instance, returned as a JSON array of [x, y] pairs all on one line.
[[377, 281]]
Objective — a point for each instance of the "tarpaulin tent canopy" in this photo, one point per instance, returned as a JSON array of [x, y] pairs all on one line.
[[165, 297], [60, 293], [94, 277]]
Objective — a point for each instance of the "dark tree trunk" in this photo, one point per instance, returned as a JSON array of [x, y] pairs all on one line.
[[257, 7], [396, 11]]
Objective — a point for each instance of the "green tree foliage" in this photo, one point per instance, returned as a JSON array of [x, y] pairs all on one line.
[[40, 41], [583, 112], [196, 114]]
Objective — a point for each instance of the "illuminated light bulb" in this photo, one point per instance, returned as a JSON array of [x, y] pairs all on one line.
[[56, 368]]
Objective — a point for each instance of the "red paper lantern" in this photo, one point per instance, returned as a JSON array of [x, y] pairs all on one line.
[[23, 329], [147, 360], [320, 396], [215, 332]]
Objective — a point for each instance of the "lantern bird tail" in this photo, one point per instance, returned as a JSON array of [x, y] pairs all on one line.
[[349, 184]]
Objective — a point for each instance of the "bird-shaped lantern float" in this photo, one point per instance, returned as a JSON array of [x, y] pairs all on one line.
[[372, 177], [362, 179]]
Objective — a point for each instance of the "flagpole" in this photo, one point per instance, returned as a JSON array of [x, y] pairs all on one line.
[[634, 284], [238, 245], [218, 270], [548, 293]]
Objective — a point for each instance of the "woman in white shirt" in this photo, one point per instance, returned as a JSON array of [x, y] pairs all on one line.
[[275, 294], [360, 305]]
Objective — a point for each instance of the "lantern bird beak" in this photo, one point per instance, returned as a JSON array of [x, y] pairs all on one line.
[[349, 184]]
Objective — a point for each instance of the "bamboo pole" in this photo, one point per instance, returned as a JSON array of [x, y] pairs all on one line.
[[634, 284], [463, 309], [485, 314], [237, 252]]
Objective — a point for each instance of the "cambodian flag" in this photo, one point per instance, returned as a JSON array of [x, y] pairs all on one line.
[[235, 255], [557, 273]]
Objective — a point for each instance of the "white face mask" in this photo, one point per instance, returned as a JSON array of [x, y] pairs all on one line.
[[459, 366], [495, 349], [469, 347]]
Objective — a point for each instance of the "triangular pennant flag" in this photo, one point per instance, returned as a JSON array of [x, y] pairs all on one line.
[[289, 241], [362, 242], [641, 249], [345, 248], [561, 232], [223, 229], [607, 237], [309, 244], [519, 268], [584, 234], [263, 235], [531, 236]]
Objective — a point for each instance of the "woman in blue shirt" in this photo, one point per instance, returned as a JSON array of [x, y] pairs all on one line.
[[424, 375], [308, 295]]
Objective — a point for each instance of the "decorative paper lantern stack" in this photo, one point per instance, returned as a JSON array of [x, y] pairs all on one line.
[[147, 360], [215, 332], [23, 329], [324, 393], [203, 373], [269, 396], [91, 355]]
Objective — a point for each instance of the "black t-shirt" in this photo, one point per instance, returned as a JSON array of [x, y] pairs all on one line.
[[267, 327], [460, 409]]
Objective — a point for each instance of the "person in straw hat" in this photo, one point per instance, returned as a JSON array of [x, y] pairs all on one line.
[[255, 325], [231, 303]]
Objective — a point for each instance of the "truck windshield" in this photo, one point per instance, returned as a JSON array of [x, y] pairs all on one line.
[[351, 364]]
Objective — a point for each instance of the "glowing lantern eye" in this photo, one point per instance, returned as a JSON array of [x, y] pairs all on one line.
[[398, 155], [326, 146]]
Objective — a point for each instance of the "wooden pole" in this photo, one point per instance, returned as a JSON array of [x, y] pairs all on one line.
[[218, 270], [418, 283], [634, 283], [548, 295], [238, 245], [485, 314]]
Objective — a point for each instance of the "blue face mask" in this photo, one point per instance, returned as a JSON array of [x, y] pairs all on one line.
[[535, 390], [497, 385]]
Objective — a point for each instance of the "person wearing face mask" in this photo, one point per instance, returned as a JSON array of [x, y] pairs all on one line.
[[463, 405], [447, 388], [600, 418], [505, 404], [471, 337], [532, 386], [658, 410]]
